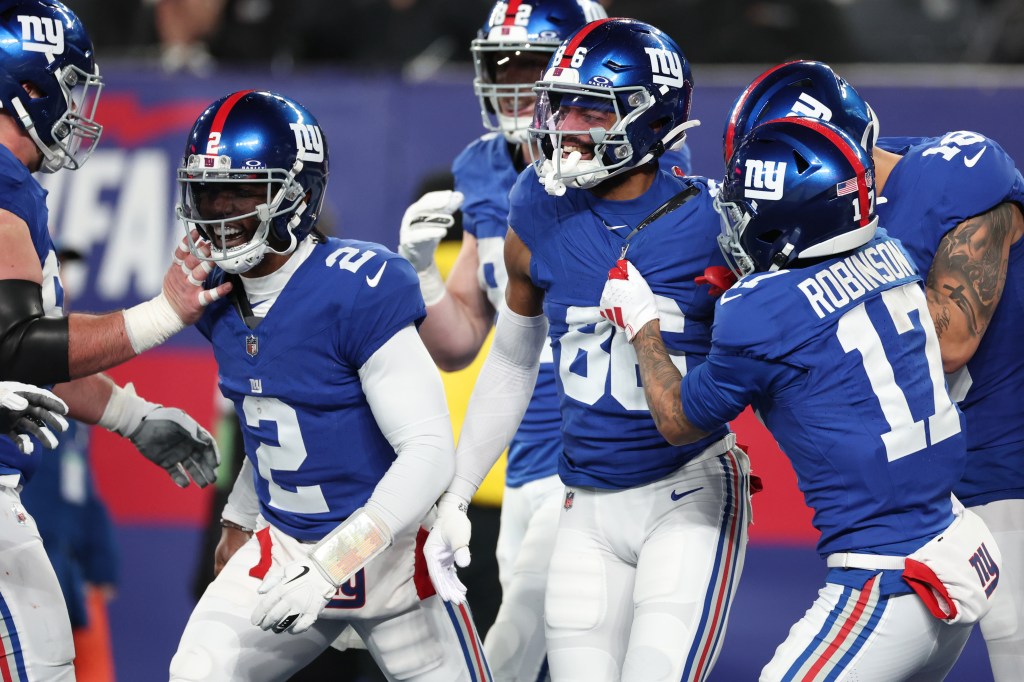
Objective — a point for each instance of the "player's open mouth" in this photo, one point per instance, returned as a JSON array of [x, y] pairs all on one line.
[[586, 150], [229, 236]]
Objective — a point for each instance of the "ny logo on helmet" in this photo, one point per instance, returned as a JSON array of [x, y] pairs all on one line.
[[309, 141], [805, 105], [42, 34], [666, 68], [764, 179]]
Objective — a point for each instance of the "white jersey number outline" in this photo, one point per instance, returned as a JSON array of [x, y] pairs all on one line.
[[287, 455], [856, 332], [618, 362]]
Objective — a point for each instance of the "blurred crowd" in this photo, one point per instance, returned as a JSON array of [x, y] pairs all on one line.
[[423, 36]]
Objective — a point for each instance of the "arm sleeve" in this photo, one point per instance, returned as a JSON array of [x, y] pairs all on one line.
[[406, 395], [243, 506], [500, 397]]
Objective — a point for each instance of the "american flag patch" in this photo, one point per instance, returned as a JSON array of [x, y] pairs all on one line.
[[846, 187]]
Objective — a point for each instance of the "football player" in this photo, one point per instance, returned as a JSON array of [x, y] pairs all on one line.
[[827, 336], [343, 416], [955, 202], [651, 537], [49, 88]]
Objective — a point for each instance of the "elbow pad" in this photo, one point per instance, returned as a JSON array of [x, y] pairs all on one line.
[[33, 348]]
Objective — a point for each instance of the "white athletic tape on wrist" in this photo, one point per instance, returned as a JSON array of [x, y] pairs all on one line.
[[431, 285], [350, 546], [150, 323]]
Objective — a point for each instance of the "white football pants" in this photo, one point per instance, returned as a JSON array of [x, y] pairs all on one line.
[[642, 579]]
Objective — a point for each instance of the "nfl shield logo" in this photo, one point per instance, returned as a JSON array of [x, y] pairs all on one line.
[[252, 345], [569, 495]]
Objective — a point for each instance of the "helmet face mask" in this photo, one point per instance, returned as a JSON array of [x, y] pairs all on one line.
[[268, 194], [255, 166], [591, 122], [49, 81], [621, 67], [511, 52], [795, 188]]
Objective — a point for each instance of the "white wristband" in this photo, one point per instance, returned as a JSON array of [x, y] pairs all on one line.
[[125, 410], [431, 285], [350, 546], [151, 323]]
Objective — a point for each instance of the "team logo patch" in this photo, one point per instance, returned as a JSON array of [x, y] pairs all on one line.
[[42, 34], [252, 345], [764, 179], [569, 496], [987, 569]]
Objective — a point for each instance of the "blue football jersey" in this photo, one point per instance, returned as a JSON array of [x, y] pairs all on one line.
[[316, 449], [484, 173], [609, 438], [939, 183], [841, 363], [22, 195]]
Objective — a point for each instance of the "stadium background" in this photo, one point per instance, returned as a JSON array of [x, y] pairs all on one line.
[[387, 129]]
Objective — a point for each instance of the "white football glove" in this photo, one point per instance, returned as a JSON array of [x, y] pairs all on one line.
[[292, 599], [447, 546], [425, 224], [627, 301], [27, 410]]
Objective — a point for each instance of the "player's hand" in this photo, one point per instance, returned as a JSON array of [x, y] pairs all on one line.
[[183, 282], [627, 301], [425, 224], [447, 546], [292, 599], [173, 440], [27, 410], [231, 540]]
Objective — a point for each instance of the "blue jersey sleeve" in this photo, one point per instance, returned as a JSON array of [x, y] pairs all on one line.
[[484, 172], [962, 174], [716, 391], [386, 300]]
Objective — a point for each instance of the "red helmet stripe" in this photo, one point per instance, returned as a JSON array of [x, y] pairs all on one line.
[[862, 183], [730, 130], [225, 109], [570, 49], [510, 12]]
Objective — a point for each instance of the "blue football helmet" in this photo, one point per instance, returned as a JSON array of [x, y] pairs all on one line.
[[49, 81], [801, 88], [617, 91], [253, 137], [511, 52], [795, 188]]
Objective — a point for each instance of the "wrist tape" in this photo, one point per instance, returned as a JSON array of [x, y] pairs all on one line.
[[151, 323]]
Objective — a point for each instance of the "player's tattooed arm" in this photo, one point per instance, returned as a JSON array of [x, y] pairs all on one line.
[[966, 280], [662, 380]]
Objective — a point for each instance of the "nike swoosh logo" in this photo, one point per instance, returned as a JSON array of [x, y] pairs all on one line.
[[678, 496], [725, 298], [305, 570], [372, 281], [969, 162], [612, 227]]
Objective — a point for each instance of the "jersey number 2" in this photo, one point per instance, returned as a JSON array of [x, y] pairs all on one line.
[[857, 333], [287, 454]]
